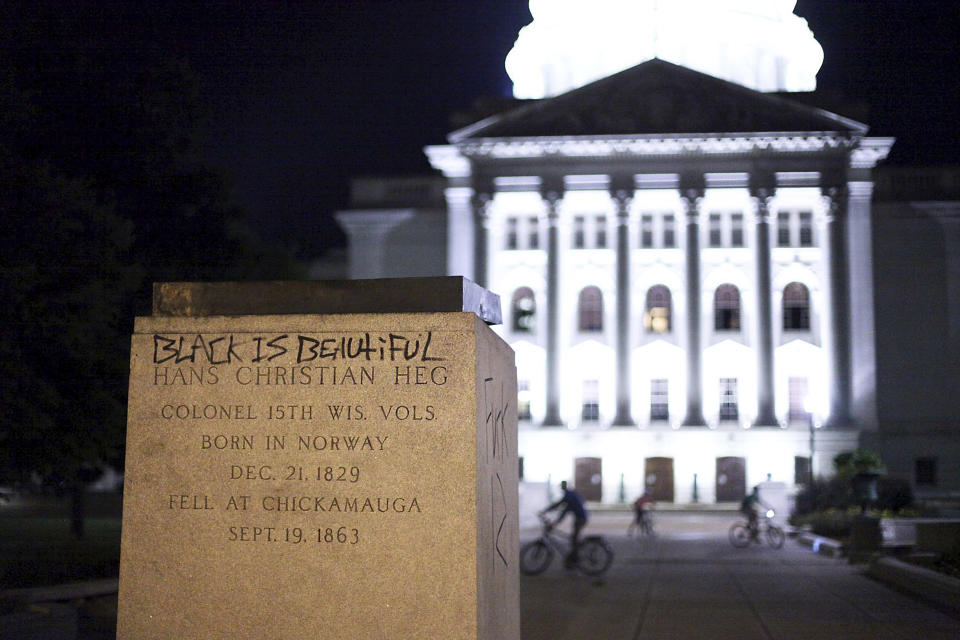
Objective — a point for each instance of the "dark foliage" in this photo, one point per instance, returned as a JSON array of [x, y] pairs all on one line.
[[65, 277], [894, 494], [821, 495], [836, 493], [102, 192]]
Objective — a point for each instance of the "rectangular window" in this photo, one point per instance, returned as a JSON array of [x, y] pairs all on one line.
[[601, 222], [925, 471], [511, 233], [669, 231], [646, 231], [801, 470], [715, 230], [783, 229], [578, 232], [659, 400], [591, 401], [533, 231], [736, 230], [806, 229], [728, 399]]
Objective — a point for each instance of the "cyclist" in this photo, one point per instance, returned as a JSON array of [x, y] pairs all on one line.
[[641, 516], [571, 503], [749, 506]]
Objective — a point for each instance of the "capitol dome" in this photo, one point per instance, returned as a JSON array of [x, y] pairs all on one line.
[[760, 44]]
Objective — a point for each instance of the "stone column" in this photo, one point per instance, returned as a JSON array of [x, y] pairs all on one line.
[[840, 369], [622, 199], [694, 417], [366, 231], [552, 418], [948, 215], [766, 416], [460, 231], [949, 218], [862, 338], [480, 204]]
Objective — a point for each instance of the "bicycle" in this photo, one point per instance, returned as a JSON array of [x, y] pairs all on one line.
[[593, 557], [645, 526], [742, 534]]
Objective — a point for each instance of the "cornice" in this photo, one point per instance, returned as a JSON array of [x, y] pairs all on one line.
[[372, 220], [448, 160], [943, 210], [870, 152], [652, 146]]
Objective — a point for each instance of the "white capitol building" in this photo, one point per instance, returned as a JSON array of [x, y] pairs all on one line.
[[682, 249]]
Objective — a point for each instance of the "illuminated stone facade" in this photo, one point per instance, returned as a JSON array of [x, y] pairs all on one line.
[[683, 303]]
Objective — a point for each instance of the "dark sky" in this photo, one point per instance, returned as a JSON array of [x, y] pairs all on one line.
[[310, 94], [304, 95]]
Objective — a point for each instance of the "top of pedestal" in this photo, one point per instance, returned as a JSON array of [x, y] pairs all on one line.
[[383, 295]]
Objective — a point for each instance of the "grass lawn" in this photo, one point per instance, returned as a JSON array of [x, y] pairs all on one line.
[[37, 548]]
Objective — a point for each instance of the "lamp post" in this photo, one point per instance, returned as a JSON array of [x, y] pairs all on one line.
[[811, 425]]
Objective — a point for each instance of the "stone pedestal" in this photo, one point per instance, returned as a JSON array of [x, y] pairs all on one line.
[[319, 475]]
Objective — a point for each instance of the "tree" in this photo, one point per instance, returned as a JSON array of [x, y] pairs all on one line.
[[102, 192], [110, 103], [64, 279], [861, 460]]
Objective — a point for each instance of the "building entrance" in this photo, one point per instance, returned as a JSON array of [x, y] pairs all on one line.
[[659, 478], [589, 478], [731, 479]]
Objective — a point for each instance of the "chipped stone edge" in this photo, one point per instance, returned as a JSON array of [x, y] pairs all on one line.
[[926, 583]]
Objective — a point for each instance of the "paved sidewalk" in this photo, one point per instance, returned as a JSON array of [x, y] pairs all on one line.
[[690, 583]]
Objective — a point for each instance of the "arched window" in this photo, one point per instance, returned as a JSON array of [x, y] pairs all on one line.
[[523, 308], [726, 308], [796, 307], [657, 318], [590, 309]]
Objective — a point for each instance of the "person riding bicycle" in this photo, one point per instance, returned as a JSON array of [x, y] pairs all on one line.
[[749, 507], [641, 515], [571, 503]]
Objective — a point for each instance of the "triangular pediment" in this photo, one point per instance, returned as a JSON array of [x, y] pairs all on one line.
[[658, 97]]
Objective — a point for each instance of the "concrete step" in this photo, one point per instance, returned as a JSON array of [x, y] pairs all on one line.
[[667, 507]]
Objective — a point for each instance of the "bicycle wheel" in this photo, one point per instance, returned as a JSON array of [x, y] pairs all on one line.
[[775, 536], [739, 535], [648, 527], [535, 557], [594, 557]]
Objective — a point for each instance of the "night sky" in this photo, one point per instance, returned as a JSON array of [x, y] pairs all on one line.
[[303, 95]]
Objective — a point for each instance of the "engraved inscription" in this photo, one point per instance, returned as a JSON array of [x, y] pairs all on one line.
[[268, 450]]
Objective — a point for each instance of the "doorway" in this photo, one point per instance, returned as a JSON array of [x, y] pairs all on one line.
[[731, 479], [588, 477], [659, 478]]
